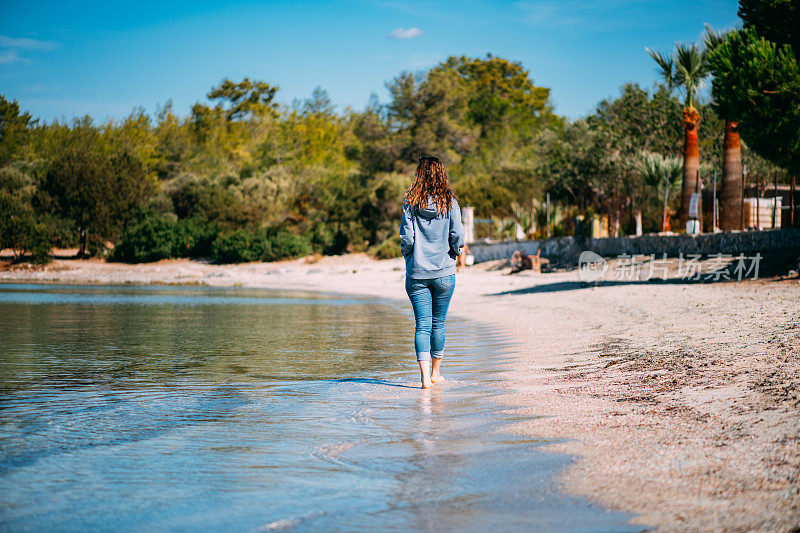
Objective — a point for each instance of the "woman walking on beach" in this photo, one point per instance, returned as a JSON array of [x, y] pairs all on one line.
[[431, 237]]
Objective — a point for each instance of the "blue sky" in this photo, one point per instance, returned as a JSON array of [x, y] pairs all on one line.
[[66, 59]]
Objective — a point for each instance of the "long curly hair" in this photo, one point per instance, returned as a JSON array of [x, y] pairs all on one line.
[[430, 184]]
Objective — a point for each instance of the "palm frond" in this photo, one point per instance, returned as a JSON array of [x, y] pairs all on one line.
[[691, 68], [656, 170], [666, 67]]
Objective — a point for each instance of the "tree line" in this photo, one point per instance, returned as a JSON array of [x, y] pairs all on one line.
[[756, 89], [242, 178]]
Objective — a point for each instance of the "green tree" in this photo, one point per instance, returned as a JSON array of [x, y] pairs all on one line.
[[501, 93], [685, 70], [14, 127], [97, 190], [173, 143], [777, 21], [730, 195], [16, 221], [428, 115], [245, 99], [20, 228], [757, 79], [372, 145], [466, 105]]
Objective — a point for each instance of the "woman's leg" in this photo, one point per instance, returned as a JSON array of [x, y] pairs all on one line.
[[435, 374], [442, 293], [421, 301]]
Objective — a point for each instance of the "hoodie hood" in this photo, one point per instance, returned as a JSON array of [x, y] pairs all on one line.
[[429, 212]]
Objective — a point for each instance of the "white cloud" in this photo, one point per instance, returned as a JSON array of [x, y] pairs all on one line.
[[23, 43], [9, 56], [403, 33], [10, 47]]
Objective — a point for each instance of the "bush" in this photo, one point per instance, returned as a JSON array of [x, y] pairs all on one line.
[[195, 237], [340, 245], [243, 246], [156, 237], [388, 249], [321, 237], [236, 247], [38, 244], [150, 239], [285, 245]]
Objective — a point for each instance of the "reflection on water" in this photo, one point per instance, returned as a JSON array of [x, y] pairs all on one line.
[[234, 409]]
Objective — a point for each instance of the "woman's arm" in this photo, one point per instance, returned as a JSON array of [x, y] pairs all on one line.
[[406, 231], [456, 229]]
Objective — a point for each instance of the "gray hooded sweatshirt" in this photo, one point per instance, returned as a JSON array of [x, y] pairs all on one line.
[[430, 241]]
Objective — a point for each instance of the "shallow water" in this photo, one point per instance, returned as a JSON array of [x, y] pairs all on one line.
[[163, 408]]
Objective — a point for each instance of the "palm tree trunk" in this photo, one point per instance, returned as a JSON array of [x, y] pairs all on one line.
[[691, 161], [730, 196]]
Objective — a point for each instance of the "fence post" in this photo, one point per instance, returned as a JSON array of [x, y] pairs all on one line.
[[666, 203], [548, 215], [741, 210], [714, 204], [774, 199], [758, 203], [791, 203]]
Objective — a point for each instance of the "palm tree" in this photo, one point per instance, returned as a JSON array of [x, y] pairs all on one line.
[[685, 70], [730, 194], [662, 174]]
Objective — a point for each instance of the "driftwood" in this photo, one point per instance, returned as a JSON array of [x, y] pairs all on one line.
[[520, 262]]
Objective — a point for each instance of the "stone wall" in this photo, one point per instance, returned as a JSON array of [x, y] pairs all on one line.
[[565, 249], [554, 249]]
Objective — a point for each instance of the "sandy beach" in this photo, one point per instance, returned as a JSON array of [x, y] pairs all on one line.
[[680, 402]]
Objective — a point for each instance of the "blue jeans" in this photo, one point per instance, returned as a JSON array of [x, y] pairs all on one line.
[[430, 299]]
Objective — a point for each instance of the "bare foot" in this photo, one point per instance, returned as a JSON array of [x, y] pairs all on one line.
[[435, 376], [425, 373]]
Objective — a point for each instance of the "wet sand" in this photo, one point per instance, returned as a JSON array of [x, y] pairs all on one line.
[[680, 402]]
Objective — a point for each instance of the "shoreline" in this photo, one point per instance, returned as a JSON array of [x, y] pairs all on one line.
[[366, 426], [679, 402]]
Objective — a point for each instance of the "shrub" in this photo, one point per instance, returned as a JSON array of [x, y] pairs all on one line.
[[150, 239], [388, 249], [340, 245], [262, 245], [195, 238], [321, 237], [285, 245], [38, 244], [236, 247], [156, 237]]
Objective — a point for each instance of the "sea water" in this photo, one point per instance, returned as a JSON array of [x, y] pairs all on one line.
[[206, 409]]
